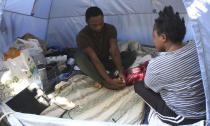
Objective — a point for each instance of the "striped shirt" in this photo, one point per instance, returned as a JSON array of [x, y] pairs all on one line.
[[176, 76]]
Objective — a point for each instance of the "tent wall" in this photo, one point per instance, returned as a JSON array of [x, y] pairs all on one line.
[[16, 25], [62, 31], [2, 3], [133, 19], [42, 8], [178, 5], [20, 6], [60, 23], [61, 20], [68, 8], [37, 8], [199, 13], [34, 120], [17, 20]]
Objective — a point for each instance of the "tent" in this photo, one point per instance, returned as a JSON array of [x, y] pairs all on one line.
[[58, 21]]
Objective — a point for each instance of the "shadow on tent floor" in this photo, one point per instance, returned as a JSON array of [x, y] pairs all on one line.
[[25, 102]]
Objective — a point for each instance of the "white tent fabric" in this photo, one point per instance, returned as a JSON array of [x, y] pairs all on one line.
[[20, 119], [16, 25], [58, 22], [199, 13], [125, 15], [42, 8], [63, 19], [24, 7]]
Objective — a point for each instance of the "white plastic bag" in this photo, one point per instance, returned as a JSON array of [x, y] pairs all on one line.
[[33, 47], [15, 74]]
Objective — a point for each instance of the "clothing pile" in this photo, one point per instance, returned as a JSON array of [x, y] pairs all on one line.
[[136, 74]]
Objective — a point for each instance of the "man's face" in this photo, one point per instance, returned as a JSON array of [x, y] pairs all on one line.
[[158, 40], [96, 23]]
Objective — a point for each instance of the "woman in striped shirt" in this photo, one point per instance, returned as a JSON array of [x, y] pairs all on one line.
[[173, 85]]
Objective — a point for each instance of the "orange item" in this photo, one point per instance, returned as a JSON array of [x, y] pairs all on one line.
[[12, 53]]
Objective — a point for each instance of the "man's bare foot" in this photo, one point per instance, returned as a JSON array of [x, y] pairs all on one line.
[[97, 85]]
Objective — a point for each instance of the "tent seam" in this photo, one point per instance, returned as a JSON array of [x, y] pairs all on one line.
[[23, 14], [106, 15], [48, 21]]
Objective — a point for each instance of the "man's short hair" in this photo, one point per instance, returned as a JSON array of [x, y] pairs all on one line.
[[171, 24], [93, 12]]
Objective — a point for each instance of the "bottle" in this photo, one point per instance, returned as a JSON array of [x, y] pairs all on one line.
[[43, 75], [37, 79]]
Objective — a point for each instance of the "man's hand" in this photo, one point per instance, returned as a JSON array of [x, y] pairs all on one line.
[[115, 53], [122, 77], [114, 84]]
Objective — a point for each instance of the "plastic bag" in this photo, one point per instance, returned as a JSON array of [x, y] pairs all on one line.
[[16, 74]]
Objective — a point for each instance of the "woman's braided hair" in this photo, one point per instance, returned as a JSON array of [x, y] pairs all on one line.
[[171, 24]]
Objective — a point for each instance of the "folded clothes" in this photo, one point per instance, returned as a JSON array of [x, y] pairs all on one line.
[[136, 74], [12, 53]]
